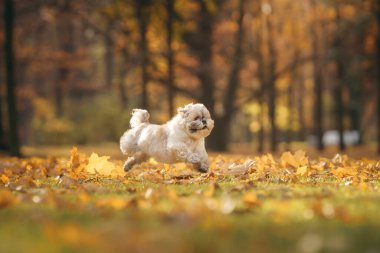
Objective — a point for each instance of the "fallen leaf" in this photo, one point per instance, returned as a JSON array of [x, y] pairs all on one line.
[[302, 171], [74, 158], [100, 165], [4, 179], [236, 169], [295, 161]]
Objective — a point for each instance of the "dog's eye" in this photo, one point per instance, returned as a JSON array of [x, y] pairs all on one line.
[[197, 118]]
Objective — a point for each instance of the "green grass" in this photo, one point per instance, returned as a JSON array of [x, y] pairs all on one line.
[[286, 221]]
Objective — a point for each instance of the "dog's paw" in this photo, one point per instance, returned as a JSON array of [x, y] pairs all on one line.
[[203, 168], [129, 164]]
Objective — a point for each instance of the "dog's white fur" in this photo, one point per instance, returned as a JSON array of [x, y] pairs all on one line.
[[179, 140]]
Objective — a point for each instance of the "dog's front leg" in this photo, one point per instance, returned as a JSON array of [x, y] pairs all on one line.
[[199, 160], [203, 164], [135, 159], [197, 157], [186, 155]]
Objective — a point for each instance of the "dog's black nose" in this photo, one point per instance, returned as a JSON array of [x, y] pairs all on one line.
[[204, 121]]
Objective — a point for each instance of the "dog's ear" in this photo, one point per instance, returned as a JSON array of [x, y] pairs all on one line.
[[182, 111]]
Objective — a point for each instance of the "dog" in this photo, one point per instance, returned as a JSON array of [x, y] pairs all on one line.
[[182, 139]]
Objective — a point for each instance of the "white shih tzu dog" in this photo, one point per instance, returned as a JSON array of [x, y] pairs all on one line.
[[182, 139]]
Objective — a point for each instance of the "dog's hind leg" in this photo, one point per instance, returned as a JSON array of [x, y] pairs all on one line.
[[137, 158]]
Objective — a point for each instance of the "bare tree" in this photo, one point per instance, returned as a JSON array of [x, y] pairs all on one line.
[[65, 35], [14, 146], [142, 16], [3, 141], [108, 55], [262, 92], [223, 122], [272, 94], [121, 77], [339, 61], [378, 75], [317, 75], [201, 45], [170, 54]]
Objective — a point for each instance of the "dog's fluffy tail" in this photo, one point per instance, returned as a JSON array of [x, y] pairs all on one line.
[[139, 116]]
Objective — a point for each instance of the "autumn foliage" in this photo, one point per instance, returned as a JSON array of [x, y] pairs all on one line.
[[287, 189], [20, 177]]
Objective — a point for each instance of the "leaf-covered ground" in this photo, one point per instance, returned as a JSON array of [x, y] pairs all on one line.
[[289, 203]]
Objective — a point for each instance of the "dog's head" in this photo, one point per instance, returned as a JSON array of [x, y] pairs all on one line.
[[196, 120]]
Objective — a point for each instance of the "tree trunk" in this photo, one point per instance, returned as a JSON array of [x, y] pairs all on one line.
[[289, 130], [317, 75], [272, 94], [318, 105], [355, 109], [378, 75], [122, 74], [262, 93], [65, 35], [260, 147], [300, 110], [339, 61], [14, 146], [224, 122], [3, 140], [201, 43], [170, 55], [219, 136], [234, 81], [205, 58], [142, 19], [108, 57]]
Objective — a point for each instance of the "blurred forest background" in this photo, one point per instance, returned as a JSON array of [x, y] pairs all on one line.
[[270, 71]]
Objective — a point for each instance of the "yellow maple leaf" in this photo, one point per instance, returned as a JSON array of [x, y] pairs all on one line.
[[296, 160], [101, 165], [288, 159], [302, 171], [344, 172], [300, 157], [264, 163]]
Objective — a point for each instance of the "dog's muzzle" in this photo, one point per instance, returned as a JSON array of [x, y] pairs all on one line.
[[195, 129]]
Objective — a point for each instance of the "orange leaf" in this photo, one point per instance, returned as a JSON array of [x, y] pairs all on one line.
[[4, 179], [74, 158]]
